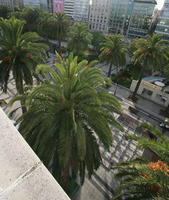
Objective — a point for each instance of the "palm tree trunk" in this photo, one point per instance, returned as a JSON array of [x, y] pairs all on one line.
[[139, 82], [66, 175], [21, 92], [116, 84], [110, 68]]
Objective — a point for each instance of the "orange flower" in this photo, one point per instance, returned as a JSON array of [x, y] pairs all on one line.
[[6, 58], [85, 67], [161, 166]]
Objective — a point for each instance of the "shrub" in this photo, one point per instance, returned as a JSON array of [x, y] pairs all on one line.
[[107, 82]]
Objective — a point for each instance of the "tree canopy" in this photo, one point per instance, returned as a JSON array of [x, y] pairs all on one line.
[[79, 39], [5, 11], [19, 53], [68, 117], [114, 51]]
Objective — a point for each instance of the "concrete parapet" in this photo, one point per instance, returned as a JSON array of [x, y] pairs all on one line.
[[22, 175]]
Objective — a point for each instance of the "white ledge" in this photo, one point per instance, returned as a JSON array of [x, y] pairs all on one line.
[[22, 175]]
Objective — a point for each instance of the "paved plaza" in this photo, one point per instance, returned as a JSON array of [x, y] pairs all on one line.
[[102, 184]]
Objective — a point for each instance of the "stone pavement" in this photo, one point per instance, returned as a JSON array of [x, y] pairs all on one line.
[[102, 184]]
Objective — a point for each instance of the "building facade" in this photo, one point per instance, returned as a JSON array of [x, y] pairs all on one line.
[[12, 3], [99, 12], [44, 5], [35, 3], [58, 6], [141, 18], [81, 11], [6, 2], [119, 16], [163, 22], [69, 8], [128, 17]]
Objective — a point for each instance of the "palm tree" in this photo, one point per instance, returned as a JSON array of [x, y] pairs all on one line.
[[80, 38], [98, 39], [61, 25], [5, 11], [113, 51], [140, 178], [68, 116], [19, 53], [150, 52], [31, 15], [44, 26]]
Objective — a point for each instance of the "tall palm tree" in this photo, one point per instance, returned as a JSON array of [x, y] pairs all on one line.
[[114, 51], [150, 52], [98, 39], [19, 53], [140, 178], [68, 116], [61, 25], [31, 16], [80, 38], [45, 25]]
